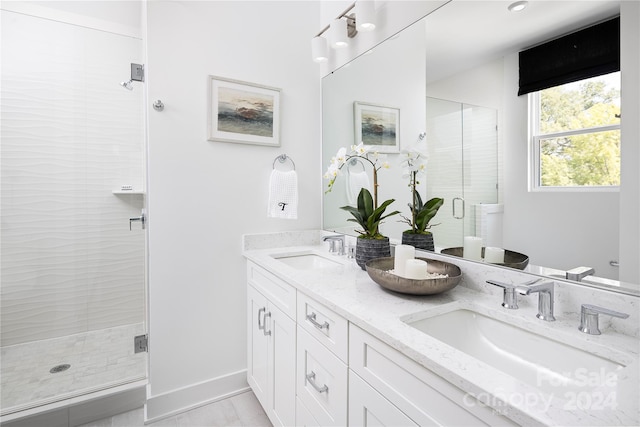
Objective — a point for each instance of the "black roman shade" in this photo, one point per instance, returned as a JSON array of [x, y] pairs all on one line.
[[586, 53]]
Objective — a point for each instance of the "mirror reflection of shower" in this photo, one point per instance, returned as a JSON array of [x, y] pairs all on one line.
[[137, 75]]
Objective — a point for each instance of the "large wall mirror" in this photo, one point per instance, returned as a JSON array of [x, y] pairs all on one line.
[[453, 77]]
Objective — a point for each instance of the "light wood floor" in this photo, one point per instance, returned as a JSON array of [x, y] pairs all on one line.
[[241, 410]]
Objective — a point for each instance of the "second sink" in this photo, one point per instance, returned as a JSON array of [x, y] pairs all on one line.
[[307, 261], [541, 362]]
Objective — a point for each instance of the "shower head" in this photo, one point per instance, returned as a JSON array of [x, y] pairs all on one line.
[[127, 85]]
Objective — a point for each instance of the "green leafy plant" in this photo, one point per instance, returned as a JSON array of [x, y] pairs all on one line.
[[422, 213], [368, 216]]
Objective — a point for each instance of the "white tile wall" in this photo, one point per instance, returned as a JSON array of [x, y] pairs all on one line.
[[70, 135]]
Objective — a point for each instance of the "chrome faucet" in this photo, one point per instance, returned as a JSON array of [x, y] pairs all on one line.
[[579, 273], [509, 295], [336, 244], [589, 318], [545, 299]]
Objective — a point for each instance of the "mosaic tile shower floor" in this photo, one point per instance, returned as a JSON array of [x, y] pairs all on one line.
[[97, 359]]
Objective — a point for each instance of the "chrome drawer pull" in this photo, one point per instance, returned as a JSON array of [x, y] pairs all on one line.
[[312, 318], [310, 378], [260, 312], [265, 324]]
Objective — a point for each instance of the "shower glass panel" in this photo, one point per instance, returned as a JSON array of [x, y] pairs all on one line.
[[463, 166], [73, 289]]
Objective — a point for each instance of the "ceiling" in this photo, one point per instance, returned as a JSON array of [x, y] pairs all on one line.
[[466, 33]]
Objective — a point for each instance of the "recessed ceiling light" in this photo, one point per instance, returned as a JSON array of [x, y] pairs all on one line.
[[518, 6]]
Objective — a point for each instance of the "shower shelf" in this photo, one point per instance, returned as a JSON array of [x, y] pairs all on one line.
[[136, 192]]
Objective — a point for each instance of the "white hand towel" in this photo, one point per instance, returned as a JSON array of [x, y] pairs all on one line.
[[355, 182], [283, 194]]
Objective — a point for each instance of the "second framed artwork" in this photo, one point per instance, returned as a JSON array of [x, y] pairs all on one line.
[[243, 112], [377, 127]]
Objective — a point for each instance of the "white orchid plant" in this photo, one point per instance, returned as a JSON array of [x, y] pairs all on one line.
[[367, 213], [414, 165], [378, 161]]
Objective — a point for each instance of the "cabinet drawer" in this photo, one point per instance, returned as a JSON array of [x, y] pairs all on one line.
[[422, 395], [321, 381], [331, 329], [367, 407], [277, 291]]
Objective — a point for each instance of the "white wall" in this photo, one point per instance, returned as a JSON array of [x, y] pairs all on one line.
[[204, 195]]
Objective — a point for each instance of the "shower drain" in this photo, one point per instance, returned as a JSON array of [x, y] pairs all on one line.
[[59, 368]]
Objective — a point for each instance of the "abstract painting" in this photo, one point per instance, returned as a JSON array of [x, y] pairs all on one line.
[[377, 126], [243, 112]]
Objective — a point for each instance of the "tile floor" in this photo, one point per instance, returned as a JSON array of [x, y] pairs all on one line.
[[24, 368], [240, 410]]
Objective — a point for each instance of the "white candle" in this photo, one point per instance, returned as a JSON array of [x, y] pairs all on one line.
[[472, 248], [494, 255], [415, 269], [401, 255]]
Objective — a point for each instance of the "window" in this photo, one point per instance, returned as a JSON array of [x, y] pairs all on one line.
[[576, 134]]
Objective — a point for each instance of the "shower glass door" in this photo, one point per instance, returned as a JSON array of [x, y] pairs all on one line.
[[463, 166], [73, 289]]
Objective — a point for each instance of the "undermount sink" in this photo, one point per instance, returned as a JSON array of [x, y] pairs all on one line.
[[550, 366], [307, 261]]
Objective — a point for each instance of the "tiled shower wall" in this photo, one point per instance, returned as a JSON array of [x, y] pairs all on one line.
[[70, 135]]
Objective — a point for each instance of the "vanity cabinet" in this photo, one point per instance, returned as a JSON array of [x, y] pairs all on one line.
[[417, 393], [271, 344], [309, 366]]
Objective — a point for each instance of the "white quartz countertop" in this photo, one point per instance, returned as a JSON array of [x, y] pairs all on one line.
[[349, 291]]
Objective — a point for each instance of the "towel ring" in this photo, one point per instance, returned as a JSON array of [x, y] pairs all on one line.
[[354, 162], [283, 158]]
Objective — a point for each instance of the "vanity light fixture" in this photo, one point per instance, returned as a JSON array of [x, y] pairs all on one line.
[[342, 28], [366, 13], [518, 6], [319, 49], [338, 33]]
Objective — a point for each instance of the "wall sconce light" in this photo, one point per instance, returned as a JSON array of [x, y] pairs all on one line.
[[338, 34], [319, 49], [366, 13], [343, 28]]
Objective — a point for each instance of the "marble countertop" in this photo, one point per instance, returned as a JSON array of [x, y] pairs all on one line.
[[349, 291]]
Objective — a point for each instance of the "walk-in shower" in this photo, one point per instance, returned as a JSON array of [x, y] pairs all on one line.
[[73, 290]]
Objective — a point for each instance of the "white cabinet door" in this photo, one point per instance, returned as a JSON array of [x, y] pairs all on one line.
[[257, 346], [271, 349], [368, 408], [282, 366]]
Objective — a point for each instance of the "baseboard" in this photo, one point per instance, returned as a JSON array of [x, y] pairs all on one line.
[[82, 409], [186, 398]]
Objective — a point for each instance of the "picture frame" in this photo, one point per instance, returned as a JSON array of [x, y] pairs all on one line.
[[243, 112], [377, 127]]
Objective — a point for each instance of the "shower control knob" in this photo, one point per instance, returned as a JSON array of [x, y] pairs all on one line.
[[158, 105]]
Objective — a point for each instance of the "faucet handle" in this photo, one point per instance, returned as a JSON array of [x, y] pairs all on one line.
[[589, 318], [579, 273]]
